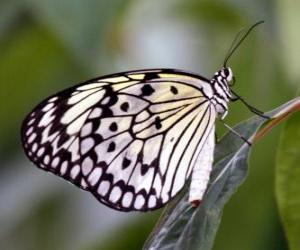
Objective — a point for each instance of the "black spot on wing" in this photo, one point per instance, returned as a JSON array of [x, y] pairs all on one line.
[[97, 138], [113, 127], [157, 122], [111, 147], [147, 90], [144, 169], [107, 112], [150, 76], [174, 90], [124, 106], [95, 124], [126, 162]]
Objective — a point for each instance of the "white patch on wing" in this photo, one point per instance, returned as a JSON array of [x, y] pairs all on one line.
[[32, 120], [87, 166], [34, 147], [40, 152], [139, 201], [86, 129], [127, 199], [151, 149], [47, 107], [94, 176], [29, 131], [47, 118], [91, 86], [63, 167], [115, 79], [142, 116], [152, 201], [75, 171], [136, 76], [55, 162], [115, 194], [80, 96], [77, 109], [105, 100], [46, 159], [53, 99], [31, 138], [86, 144], [83, 183], [157, 184], [77, 124], [103, 188], [96, 112]]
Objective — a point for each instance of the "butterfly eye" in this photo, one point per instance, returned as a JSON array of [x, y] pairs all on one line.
[[226, 72]]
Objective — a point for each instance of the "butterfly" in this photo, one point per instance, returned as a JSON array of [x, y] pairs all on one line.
[[132, 139]]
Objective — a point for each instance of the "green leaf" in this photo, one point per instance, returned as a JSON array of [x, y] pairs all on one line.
[[288, 180], [183, 227]]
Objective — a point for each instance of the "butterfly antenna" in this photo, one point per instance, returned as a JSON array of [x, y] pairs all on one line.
[[236, 42]]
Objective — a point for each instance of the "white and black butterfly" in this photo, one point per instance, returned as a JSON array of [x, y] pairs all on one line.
[[132, 139]]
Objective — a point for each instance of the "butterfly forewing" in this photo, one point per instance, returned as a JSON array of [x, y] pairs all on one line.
[[130, 138]]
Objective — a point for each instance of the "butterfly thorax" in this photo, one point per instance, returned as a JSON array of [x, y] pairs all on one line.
[[222, 95]]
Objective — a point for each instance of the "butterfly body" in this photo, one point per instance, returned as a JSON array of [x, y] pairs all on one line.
[[132, 139]]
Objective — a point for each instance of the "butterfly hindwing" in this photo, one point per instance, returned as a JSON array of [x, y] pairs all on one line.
[[130, 138]]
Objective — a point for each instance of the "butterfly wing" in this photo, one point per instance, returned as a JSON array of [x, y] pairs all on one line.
[[131, 139]]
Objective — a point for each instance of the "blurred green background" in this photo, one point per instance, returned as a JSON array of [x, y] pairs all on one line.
[[46, 46]]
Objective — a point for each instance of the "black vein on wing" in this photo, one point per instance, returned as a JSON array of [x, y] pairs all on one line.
[[208, 123], [173, 151], [187, 145]]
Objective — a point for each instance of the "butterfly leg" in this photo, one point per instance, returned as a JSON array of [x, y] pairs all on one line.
[[216, 138], [251, 108], [236, 133], [202, 169]]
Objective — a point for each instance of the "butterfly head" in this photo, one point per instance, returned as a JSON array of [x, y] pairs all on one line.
[[221, 82], [226, 73]]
